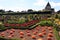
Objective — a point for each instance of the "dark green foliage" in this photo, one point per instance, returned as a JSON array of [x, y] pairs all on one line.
[[2, 28], [2, 38]]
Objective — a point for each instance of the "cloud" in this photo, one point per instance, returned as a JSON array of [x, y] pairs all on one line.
[[44, 2], [14, 5], [55, 4], [19, 5], [13, 8], [40, 3]]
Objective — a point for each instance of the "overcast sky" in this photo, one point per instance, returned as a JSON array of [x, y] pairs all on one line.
[[19, 5]]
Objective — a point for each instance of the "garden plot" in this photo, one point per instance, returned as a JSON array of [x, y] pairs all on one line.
[[38, 33]]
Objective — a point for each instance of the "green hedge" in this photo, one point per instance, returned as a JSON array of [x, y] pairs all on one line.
[[46, 23], [2, 38], [2, 28]]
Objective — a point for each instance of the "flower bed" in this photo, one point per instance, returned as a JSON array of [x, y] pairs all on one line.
[[24, 25]]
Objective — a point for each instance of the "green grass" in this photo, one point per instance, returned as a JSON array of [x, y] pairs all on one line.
[[56, 34]]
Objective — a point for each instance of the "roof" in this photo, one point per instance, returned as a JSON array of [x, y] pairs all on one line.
[[48, 4]]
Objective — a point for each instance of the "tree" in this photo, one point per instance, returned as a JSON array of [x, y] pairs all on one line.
[[1, 10], [30, 10], [10, 11]]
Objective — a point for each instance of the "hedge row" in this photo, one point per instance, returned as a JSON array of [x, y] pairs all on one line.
[[46, 23]]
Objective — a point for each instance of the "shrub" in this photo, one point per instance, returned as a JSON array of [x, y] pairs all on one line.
[[2, 38], [2, 28], [49, 23], [46, 23]]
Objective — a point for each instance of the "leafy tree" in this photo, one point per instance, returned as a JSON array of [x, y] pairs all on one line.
[[30, 10], [10, 11], [2, 11]]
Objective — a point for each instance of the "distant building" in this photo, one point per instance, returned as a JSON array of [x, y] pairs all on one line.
[[48, 8]]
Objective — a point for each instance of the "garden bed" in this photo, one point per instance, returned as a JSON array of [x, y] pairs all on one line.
[[40, 32], [22, 26]]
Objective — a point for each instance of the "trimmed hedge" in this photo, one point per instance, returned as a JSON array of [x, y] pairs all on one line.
[[2, 28], [2, 38], [46, 23]]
